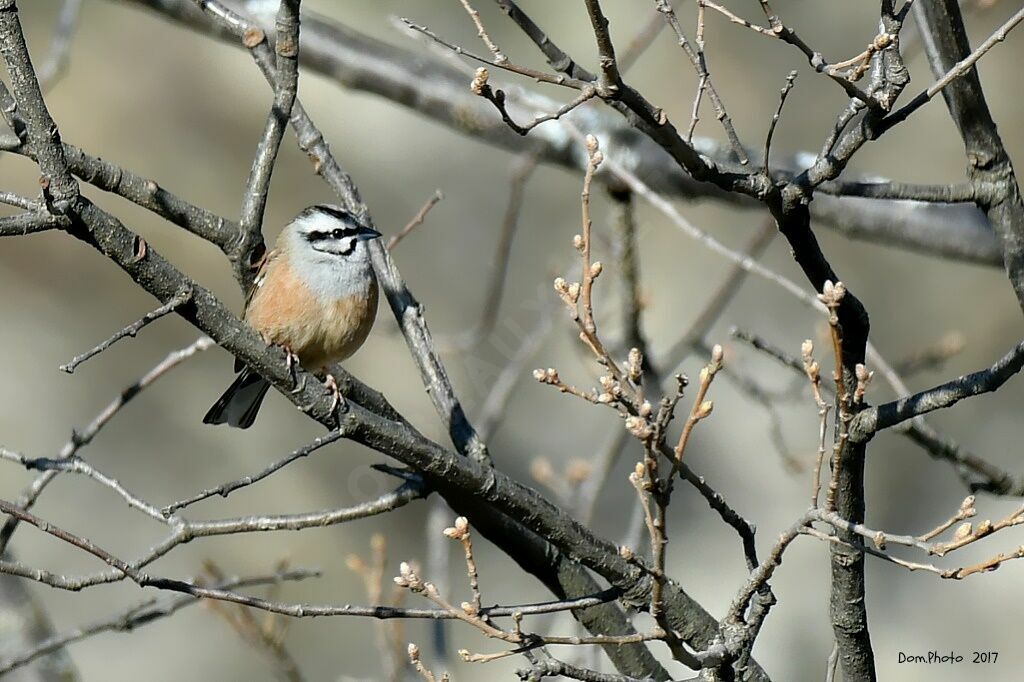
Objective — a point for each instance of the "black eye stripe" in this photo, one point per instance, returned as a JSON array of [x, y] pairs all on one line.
[[337, 233]]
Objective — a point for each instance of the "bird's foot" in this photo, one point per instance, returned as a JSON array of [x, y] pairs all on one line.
[[291, 361], [338, 403]]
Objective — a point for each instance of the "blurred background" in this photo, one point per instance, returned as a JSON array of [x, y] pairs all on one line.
[[187, 111]]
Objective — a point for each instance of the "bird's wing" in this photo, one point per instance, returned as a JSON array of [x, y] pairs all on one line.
[[257, 282], [261, 277]]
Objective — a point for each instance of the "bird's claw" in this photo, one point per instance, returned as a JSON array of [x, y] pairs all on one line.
[[338, 402], [292, 363]]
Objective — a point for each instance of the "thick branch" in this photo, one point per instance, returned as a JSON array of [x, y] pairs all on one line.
[[947, 45]]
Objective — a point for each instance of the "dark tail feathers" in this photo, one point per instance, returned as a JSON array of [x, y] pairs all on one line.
[[241, 402]]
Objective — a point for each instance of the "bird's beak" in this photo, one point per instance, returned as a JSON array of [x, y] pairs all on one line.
[[365, 234]]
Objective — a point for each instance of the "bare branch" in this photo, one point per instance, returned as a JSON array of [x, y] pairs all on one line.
[[139, 615], [988, 163], [787, 35], [610, 78], [875, 419], [976, 473], [248, 248], [416, 221], [961, 68], [131, 330], [30, 223], [433, 87], [59, 187], [699, 62], [84, 437]]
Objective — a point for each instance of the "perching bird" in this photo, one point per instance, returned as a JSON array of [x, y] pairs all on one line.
[[315, 295]]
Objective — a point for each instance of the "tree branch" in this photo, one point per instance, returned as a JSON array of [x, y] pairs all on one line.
[[59, 187], [875, 419], [948, 52], [434, 88]]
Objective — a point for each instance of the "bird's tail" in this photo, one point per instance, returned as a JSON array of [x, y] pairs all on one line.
[[240, 403]]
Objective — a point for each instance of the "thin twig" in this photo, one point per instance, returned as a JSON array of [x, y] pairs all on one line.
[[541, 76], [139, 615], [699, 62], [813, 371], [225, 489], [959, 69], [84, 437], [783, 94], [125, 569], [482, 32], [417, 219], [461, 532], [131, 330], [787, 35]]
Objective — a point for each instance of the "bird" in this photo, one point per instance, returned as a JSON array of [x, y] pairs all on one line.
[[315, 295]]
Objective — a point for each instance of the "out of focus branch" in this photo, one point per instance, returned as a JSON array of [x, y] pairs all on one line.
[[60, 46]]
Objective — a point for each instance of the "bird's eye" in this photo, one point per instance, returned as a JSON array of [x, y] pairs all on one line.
[[337, 234]]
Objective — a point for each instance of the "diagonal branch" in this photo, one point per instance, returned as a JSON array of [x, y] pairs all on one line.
[[131, 330], [82, 438], [59, 188], [490, 497], [875, 419]]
